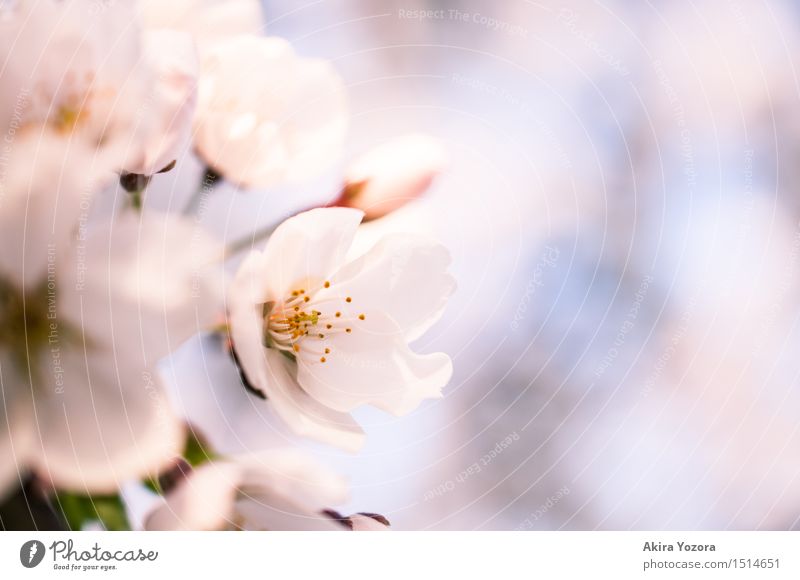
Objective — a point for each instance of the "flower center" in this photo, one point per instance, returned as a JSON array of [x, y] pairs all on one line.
[[303, 324], [24, 326], [68, 106], [29, 326]]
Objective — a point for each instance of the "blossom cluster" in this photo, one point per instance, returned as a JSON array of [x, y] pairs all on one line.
[[98, 288]]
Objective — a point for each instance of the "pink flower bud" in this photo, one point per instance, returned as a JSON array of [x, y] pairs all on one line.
[[392, 174]]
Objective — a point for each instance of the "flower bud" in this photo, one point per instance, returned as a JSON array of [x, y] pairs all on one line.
[[392, 174]]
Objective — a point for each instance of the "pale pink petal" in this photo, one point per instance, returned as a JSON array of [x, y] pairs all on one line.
[[372, 365], [404, 276], [392, 174], [99, 424], [209, 21], [303, 414], [308, 248], [206, 500], [171, 104], [46, 186], [266, 115], [147, 282], [363, 523]]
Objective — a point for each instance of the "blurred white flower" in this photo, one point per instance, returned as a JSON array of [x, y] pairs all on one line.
[[76, 69], [274, 490], [80, 406], [209, 21], [172, 101], [320, 335], [44, 182], [392, 174], [92, 74], [266, 115]]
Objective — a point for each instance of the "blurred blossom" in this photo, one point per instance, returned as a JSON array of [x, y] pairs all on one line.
[[173, 58], [273, 490], [79, 416], [208, 21], [80, 71], [45, 179], [392, 174], [266, 115], [345, 326]]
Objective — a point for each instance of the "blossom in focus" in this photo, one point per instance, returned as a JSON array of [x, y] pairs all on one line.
[[320, 334], [172, 101], [208, 21], [266, 115], [392, 174], [273, 490], [80, 404]]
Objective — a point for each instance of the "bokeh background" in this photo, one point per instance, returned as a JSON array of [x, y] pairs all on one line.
[[622, 207]]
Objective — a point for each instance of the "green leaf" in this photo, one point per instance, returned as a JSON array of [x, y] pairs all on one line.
[[79, 510], [195, 452]]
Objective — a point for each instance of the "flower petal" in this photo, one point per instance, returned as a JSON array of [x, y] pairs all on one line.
[[148, 282], [308, 248], [295, 476], [273, 490], [286, 490], [210, 21], [273, 375], [46, 181], [100, 424], [173, 58], [286, 122], [362, 523], [373, 366], [402, 275], [204, 501]]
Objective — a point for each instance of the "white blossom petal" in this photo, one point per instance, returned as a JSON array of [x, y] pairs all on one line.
[[363, 523], [302, 413], [172, 101], [295, 476], [266, 115], [147, 281], [274, 490], [209, 21], [404, 276], [307, 249], [373, 365], [100, 423], [47, 179], [203, 501], [78, 69]]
